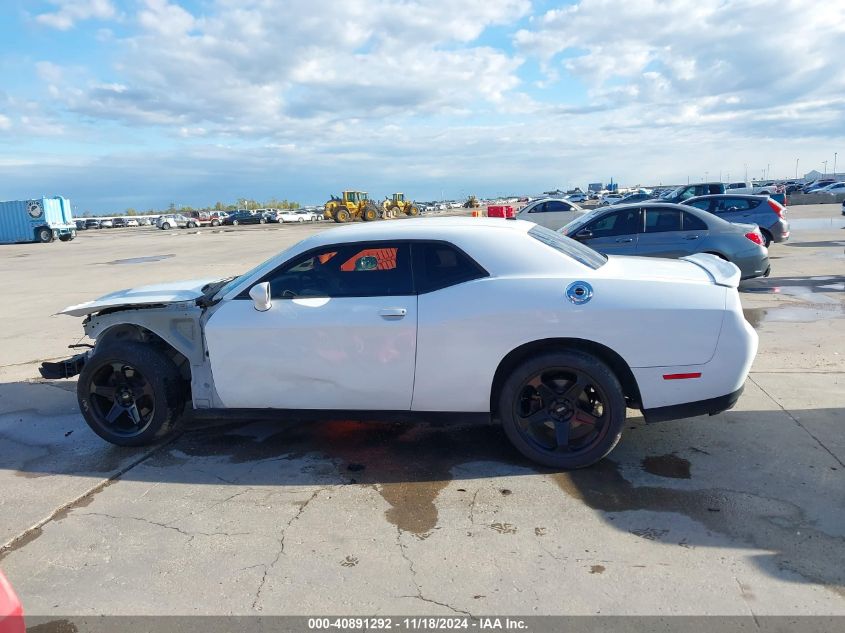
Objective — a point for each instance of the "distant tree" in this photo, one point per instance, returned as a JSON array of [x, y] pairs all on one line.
[[131, 211]]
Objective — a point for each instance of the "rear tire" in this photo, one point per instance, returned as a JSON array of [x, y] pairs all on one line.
[[131, 394], [369, 214], [44, 235], [563, 409], [165, 226]]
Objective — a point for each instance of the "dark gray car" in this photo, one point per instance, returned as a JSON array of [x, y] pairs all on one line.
[[670, 230], [768, 214]]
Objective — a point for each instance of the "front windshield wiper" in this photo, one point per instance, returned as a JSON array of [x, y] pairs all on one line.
[[209, 290]]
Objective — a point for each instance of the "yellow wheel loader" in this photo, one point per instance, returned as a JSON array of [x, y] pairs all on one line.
[[397, 204], [351, 206]]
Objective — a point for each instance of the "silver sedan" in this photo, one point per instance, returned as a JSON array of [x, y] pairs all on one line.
[[671, 230]]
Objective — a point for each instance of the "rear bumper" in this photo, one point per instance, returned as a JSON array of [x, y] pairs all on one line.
[[752, 263], [780, 231], [711, 406]]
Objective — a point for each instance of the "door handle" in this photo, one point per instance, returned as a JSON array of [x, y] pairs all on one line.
[[392, 313], [624, 240], [690, 237]]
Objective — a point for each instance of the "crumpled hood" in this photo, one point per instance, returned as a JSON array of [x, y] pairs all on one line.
[[156, 294]]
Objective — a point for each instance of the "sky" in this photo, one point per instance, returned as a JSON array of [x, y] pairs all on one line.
[[143, 103]]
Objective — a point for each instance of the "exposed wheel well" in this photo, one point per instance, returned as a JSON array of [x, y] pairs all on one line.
[[131, 332], [613, 360]]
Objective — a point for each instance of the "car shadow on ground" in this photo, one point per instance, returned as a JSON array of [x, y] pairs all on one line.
[[713, 472]]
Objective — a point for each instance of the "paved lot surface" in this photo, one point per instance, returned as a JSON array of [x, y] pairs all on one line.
[[741, 513]]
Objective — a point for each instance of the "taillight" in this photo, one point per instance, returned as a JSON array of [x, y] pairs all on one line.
[[775, 205], [755, 237]]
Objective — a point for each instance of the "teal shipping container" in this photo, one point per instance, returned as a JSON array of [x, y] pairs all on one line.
[[36, 220]]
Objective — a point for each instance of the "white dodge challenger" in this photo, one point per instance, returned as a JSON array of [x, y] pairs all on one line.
[[464, 317]]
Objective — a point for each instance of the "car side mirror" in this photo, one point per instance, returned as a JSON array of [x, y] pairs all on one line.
[[583, 235], [260, 295]]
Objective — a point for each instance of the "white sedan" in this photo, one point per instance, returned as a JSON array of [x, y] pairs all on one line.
[[465, 317]]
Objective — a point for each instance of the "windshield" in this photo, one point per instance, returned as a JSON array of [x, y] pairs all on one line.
[[577, 251]]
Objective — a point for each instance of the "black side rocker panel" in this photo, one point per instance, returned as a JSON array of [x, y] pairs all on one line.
[[711, 406]]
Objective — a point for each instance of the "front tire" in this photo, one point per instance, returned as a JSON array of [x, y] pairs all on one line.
[[341, 216], [563, 409], [235, 222], [165, 226], [130, 394], [67, 237]]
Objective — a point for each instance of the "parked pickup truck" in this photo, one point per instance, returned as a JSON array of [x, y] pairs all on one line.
[[38, 220], [750, 189]]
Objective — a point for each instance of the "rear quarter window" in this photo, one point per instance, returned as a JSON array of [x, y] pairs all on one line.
[[569, 247]]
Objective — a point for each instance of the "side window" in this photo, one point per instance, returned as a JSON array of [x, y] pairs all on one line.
[[662, 220], [699, 204], [538, 208], [439, 265], [689, 192], [619, 223], [345, 270], [726, 205], [692, 223], [557, 205]]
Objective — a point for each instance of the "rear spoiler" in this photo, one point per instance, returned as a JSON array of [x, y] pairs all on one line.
[[721, 272]]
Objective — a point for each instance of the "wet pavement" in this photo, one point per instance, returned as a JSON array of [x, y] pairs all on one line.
[[740, 513]]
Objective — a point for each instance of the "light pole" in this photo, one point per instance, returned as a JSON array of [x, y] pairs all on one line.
[[834, 164], [796, 169], [746, 172], [825, 167]]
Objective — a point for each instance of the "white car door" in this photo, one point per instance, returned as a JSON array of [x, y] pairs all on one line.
[[340, 334]]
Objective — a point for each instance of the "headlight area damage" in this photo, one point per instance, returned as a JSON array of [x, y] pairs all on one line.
[[165, 318]]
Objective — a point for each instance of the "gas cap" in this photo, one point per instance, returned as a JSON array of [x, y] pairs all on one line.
[[579, 292]]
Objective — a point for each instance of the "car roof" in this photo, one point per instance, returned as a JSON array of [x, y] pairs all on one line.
[[414, 228], [708, 196]]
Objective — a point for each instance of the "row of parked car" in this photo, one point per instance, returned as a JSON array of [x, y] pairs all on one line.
[[194, 219], [735, 227]]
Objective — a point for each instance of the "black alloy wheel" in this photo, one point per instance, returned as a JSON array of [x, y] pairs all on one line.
[[563, 410], [130, 394], [122, 397]]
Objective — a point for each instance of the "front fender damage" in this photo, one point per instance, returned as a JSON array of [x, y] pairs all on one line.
[[177, 324]]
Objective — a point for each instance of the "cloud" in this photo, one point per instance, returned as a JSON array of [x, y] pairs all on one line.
[[266, 67], [698, 61], [72, 11]]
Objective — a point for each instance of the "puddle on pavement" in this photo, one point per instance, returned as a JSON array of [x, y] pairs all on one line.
[[809, 289], [667, 466], [763, 522], [142, 260], [407, 464], [808, 313]]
